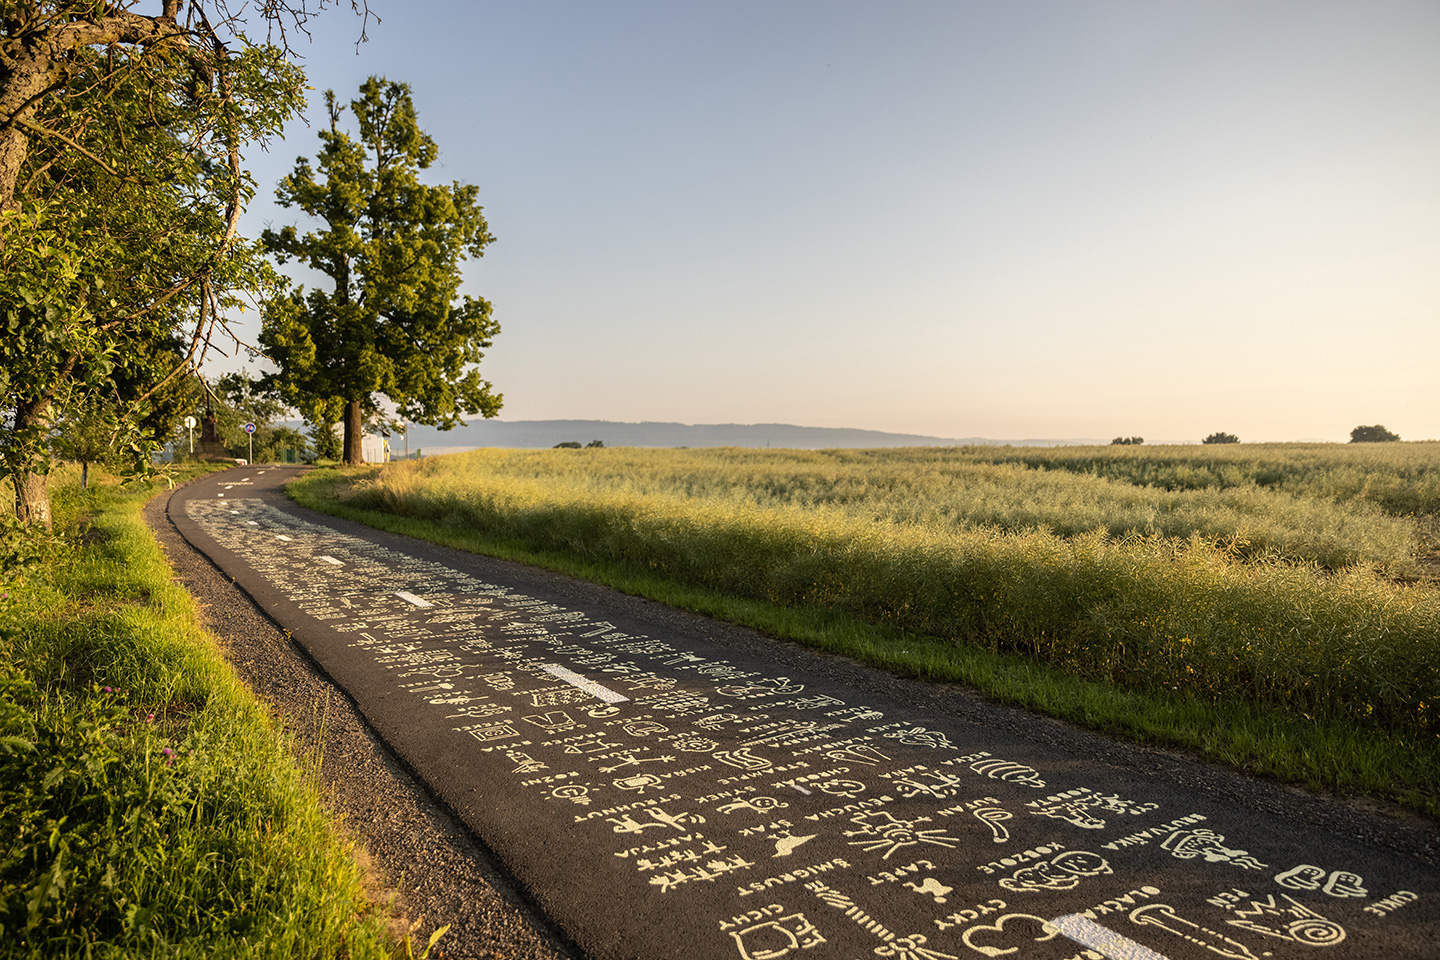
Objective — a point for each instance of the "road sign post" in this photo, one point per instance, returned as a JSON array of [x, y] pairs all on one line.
[[250, 435]]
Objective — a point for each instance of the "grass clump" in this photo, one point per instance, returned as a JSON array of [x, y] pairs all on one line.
[[148, 805], [1184, 636]]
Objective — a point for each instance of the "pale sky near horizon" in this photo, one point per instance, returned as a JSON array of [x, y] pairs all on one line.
[[1004, 220]]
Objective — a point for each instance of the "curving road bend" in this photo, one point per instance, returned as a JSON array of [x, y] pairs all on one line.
[[661, 786]]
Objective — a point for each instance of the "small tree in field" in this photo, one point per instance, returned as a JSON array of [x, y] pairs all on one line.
[[1221, 438], [1372, 434], [393, 324], [1127, 441]]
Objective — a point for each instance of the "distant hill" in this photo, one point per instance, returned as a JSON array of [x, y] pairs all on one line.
[[534, 434]]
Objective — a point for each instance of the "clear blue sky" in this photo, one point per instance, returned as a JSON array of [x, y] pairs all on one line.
[[1008, 220]]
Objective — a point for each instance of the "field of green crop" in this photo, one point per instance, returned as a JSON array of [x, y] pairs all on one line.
[[1334, 506], [1301, 577]]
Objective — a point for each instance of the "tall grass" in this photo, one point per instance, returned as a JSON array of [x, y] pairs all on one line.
[[1403, 479], [148, 806], [1203, 614], [960, 489]]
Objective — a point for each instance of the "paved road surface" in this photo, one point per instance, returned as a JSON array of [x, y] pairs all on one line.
[[664, 789]]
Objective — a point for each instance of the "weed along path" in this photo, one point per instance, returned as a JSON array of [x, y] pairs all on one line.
[[664, 786]]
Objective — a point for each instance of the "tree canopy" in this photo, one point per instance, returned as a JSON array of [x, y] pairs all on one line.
[[393, 325], [1221, 437], [1372, 434], [121, 187]]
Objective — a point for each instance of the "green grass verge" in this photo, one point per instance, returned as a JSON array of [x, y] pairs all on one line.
[[149, 806], [1332, 753]]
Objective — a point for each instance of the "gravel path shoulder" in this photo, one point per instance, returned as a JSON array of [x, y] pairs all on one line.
[[417, 853]]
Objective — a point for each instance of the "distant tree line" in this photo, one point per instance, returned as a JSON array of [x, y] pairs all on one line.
[[1372, 434]]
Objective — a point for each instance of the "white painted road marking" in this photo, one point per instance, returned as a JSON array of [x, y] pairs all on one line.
[[584, 683], [281, 536], [332, 560], [1090, 934], [409, 597]]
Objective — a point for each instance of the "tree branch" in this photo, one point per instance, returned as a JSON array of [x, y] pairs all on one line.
[[122, 177]]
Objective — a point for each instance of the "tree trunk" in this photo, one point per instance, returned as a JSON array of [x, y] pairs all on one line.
[[354, 433], [31, 425], [32, 498]]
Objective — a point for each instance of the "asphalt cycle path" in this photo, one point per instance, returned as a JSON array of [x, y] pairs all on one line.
[[664, 790]]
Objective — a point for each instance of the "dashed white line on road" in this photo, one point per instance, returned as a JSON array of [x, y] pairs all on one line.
[[584, 683], [1090, 934], [409, 597]]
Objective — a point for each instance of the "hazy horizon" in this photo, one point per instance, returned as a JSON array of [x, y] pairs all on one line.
[[434, 437], [1035, 219]]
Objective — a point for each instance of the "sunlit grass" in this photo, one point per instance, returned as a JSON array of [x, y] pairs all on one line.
[[148, 805], [1246, 506]]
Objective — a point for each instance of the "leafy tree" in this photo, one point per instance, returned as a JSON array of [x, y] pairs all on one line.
[[85, 437], [1221, 438], [1372, 434], [234, 400], [327, 442], [279, 439], [1127, 441], [247, 400], [595, 444], [390, 327], [244, 399], [568, 445], [120, 193]]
